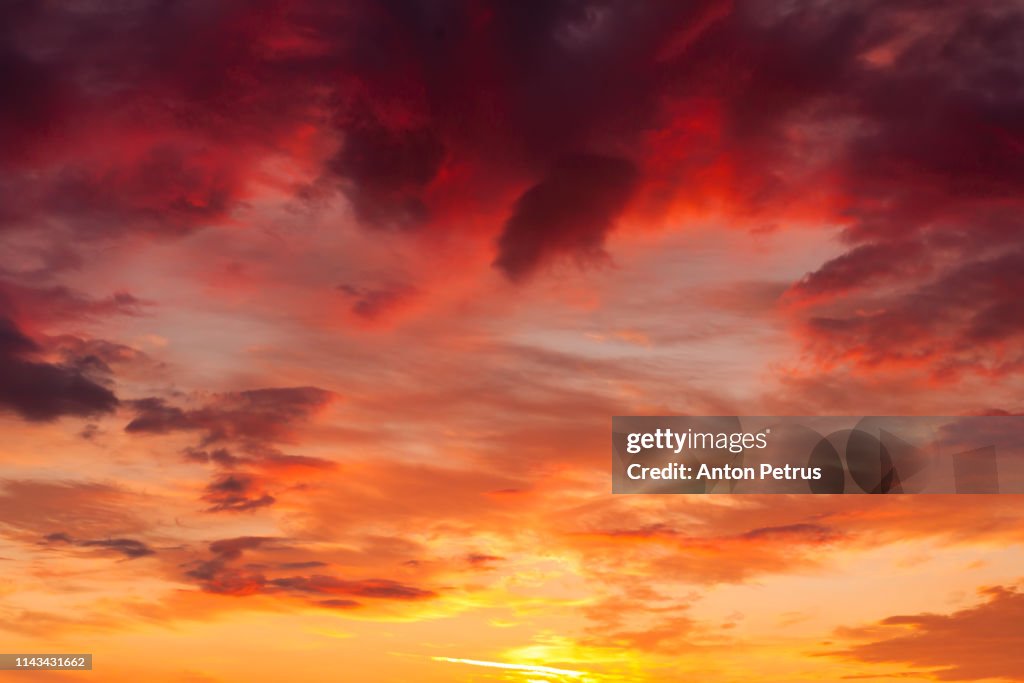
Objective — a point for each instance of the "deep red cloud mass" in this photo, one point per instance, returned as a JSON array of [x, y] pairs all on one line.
[[154, 117], [932, 126]]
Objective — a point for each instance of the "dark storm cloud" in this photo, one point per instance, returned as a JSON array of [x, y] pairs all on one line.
[[568, 213], [41, 391]]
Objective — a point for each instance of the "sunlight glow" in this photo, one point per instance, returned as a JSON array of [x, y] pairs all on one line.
[[514, 667]]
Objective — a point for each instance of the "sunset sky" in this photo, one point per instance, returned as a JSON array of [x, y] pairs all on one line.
[[314, 316]]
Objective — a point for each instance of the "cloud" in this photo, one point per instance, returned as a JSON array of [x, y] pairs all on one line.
[[338, 603], [130, 548], [975, 643], [263, 459], [967, 319], [238, 433], [101, 169], [440, 116], [223, 574], [570, 212], [258, 415], [100, 358], [366, 588], [719, 557], [41, 391], [373, 303], [253, 421], [385, 171], [799, 533], [483, 561], [720, 545], [58, 303], [863, 265], [931, 210], [236, 493], [82, 510]]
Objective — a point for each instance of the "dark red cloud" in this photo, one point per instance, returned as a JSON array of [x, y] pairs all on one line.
[[405, 93], [567, 213], [34, 92], [932, 179], [970, 318], [386, 170], [46, 377], [42, 391]]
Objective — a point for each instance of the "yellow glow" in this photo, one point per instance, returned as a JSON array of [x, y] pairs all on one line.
[[514, 667]]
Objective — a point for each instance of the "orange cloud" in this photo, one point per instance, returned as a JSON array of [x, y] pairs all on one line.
[[976, 643]]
